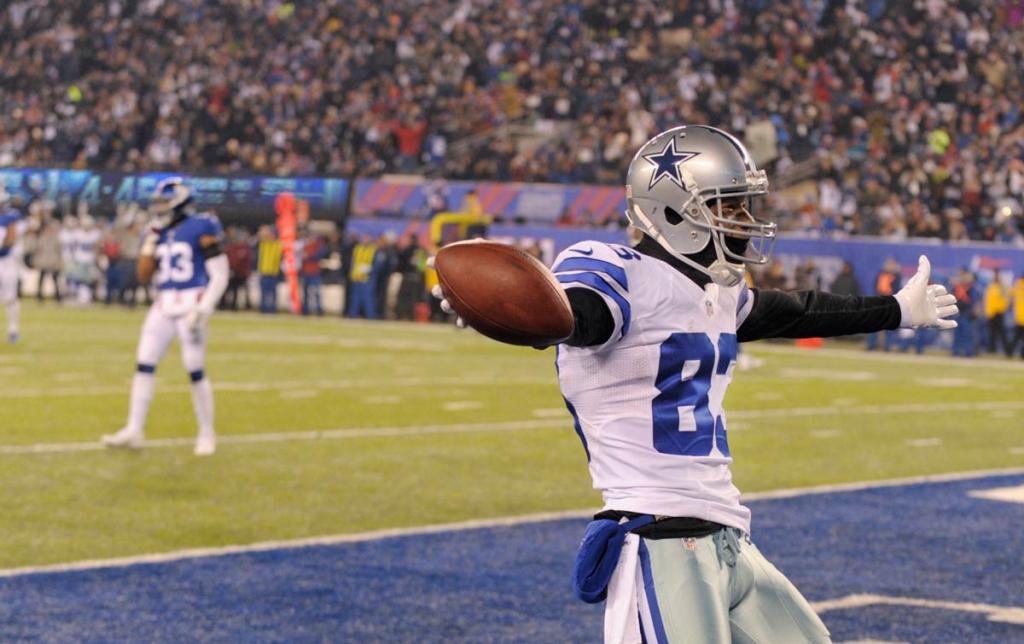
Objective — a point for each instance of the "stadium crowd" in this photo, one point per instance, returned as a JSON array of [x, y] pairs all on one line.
[[906, 113], [902, 119]]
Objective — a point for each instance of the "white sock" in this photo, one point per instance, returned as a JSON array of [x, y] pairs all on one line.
[[202, 402], [143, 385], [13, 316]]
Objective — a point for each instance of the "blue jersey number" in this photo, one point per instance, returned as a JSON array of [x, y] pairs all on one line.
[[692, 372]]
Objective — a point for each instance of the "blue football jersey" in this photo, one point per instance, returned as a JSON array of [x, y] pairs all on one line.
[[180, 261], [8, 217]]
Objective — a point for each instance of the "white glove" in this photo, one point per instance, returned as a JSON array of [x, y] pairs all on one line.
[[446, 306], [923, 305], [195, 322]]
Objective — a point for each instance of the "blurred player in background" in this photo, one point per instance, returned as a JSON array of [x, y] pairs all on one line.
[[67, 236], [11, 231], [645, 373], [182, 254], [84, 270]]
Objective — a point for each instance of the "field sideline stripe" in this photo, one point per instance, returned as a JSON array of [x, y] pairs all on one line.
[[473, 524]]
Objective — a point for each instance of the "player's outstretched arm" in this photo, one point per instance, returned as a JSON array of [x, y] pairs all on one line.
[[924, 305]]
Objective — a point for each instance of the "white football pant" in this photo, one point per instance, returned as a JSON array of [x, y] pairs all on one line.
[[158, 331]]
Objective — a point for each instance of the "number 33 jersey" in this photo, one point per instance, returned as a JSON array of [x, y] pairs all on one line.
[[181, 265], [648, 403]]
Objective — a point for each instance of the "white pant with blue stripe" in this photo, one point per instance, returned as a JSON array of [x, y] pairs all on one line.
[[717, 589]]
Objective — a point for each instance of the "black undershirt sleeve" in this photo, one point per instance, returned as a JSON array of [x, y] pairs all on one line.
[[816, 314], [594, 321], [212, 250]]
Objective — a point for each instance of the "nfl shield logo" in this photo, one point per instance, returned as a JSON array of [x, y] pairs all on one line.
[[690, 543]]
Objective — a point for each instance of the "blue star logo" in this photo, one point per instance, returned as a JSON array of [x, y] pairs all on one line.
[[667, 163]]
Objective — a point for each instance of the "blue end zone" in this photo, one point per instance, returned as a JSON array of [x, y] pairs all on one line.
[[510, 585]]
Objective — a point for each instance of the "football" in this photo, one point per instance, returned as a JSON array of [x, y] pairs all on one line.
[[504, 293]]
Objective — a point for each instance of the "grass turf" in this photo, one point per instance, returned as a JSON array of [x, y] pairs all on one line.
[[332, 426]]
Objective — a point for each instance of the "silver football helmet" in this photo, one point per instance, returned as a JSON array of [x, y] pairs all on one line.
[[674, 191]]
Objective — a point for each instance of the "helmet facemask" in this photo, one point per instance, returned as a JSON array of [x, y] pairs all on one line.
[[694, 186]]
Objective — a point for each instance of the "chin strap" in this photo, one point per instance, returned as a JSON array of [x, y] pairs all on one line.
[[725, 274]]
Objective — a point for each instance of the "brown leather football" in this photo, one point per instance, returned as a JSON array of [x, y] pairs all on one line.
[[504, 293]]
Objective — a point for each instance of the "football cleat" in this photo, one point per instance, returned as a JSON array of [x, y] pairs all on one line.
[[206, 446], [126, 438]]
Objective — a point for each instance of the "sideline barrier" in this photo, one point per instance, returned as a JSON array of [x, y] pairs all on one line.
[[247, 198]]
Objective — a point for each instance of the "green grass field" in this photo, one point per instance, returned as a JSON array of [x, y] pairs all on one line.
[[329, 427]]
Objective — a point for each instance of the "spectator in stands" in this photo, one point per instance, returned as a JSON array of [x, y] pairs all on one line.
[[910, 101], [314, 251], [774, 277], [997, 303], [1018, 317], [268, 266], [110, 254], [409, 129], [806, 276], [968, 301], [386, 262], [846, 282], [344, 246], [888, 281], [48, 259], [362, 284], [130, 241], [240, 264], [412, 291]]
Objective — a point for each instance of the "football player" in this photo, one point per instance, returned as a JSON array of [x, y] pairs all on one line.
[[85, 257], [11, 230], [644, 376], [68, 236], [182, 255]]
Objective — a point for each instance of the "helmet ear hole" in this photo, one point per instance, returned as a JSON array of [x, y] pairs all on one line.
[[673, 217]]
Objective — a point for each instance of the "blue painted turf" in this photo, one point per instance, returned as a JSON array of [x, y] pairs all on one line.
[[510, 585]]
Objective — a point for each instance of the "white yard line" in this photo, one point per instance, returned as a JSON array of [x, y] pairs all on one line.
[[461, 381], [861, 410], [271, 437], [290, 544], [282, 437], [980, 362]]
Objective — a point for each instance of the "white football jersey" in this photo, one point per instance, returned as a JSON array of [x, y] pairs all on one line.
[[86, 245], [648, 403]]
